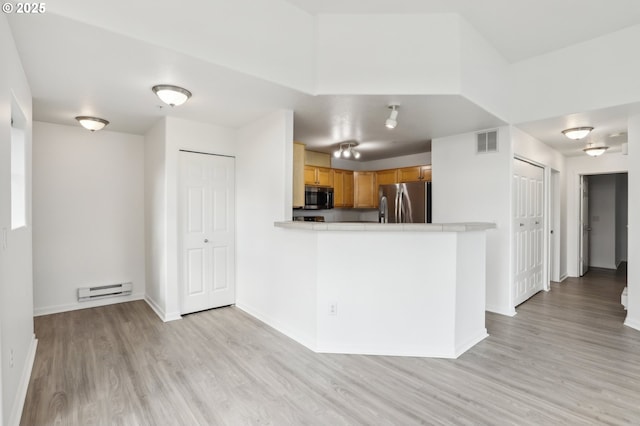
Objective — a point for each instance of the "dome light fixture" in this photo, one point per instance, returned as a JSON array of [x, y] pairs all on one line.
[[347, 150], [171, 95], [392, 121], [92, 123], [595, 151], [576, 133]]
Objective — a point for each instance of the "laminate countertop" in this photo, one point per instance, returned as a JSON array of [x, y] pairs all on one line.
[[388, 227]]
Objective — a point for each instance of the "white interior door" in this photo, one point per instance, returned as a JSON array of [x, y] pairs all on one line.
[[585, 229], [528, 213], [207, 231]]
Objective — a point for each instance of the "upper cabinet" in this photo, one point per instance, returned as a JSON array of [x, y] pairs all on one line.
[[298, 175], [342, 188], [414, 174], [318, 176], [365, 193], [386, 177]]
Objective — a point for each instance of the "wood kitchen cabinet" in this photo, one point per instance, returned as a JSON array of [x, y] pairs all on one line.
[[414, 174], [342, 188], [298, 175], [386, 177], [318, 176], [365, 192]]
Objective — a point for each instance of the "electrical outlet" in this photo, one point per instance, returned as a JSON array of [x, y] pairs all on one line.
[[333, 308], [11, 358]]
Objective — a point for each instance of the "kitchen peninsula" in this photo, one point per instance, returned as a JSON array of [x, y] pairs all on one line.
[[395, 289]]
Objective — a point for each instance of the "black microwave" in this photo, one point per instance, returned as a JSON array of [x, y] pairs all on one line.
[[318, 198]]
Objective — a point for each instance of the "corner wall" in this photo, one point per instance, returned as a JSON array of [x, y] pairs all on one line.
[[17, 341], [88, 215], [470, 187], [633, 271], [274, 266]]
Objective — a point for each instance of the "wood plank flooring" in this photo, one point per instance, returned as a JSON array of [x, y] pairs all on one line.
[[566, 358]]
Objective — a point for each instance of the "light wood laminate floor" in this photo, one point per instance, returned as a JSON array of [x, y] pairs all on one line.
[[566, 358]]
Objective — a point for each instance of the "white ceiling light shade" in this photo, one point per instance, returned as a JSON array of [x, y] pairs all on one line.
[[576, 133], [594, 151], [91, 123], [346, 150], [392, 121], [171, 95]]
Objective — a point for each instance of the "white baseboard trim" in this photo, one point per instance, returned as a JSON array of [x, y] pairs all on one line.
[[632, 322], [165, 317], [47, 310], [21, 394], [496, 310], [563, 277], [307, 341], [465, 346]]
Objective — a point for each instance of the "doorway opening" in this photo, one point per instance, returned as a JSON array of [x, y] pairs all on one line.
[[603, 222]]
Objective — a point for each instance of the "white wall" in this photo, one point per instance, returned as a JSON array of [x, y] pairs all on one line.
[[484, 73], [88, 214], [569, 80], [575, 167], [403, 53], [602, 220], [622, 217], [472, 187], [16, 279], [155, 206], [274, 266], [163, 143], [633, 271]]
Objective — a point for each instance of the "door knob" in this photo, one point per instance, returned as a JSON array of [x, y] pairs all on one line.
[[206, 241]]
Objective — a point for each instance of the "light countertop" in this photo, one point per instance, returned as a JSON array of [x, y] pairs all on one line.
[[390, 227]]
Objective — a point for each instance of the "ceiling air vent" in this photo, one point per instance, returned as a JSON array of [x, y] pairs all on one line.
[[487, 142]]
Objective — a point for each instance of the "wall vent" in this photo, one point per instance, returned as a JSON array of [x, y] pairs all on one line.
[[91, 293], [487, 142]]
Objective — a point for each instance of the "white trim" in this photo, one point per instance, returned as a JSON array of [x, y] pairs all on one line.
[[23, 386], [165, 317], [465, 346], [509, 312], [47, 310], [632, 322], [563, 277], [307, 341]]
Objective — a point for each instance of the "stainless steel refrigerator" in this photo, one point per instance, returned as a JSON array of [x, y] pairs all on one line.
[[405, 203]]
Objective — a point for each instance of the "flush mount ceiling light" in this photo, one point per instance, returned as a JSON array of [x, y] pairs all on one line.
[[392, 121], [594, 151], [347, 150], [171, 95], [576, 133], [91, 123]]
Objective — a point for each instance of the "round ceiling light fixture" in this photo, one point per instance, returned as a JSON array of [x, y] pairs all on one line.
[[171, 95], [576, 133], [92, 123], [595, 151]]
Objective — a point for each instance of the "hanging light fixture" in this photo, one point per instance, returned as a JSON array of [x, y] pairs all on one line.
[[576, 133], [346, 150], [594, 151], [392, 121], [171, 95], [91, 123]]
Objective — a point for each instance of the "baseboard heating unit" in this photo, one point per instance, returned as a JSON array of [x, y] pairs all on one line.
[[99, 292]]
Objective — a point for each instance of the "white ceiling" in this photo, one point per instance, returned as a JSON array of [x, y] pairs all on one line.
[[517, 29], [67, 79]]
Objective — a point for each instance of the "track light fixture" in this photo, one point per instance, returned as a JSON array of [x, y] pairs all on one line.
[[347, 150], [392, 121], [92, 123], [576, 133], [171, 95]]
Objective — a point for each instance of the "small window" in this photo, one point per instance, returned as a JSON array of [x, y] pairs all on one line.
[[18, 168]]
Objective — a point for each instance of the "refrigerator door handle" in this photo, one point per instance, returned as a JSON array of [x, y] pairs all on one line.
[[397, 209]]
